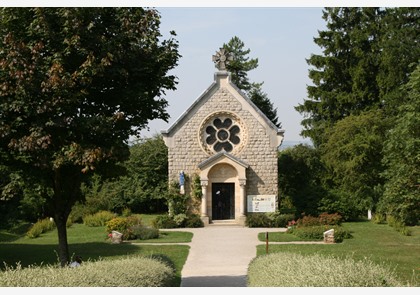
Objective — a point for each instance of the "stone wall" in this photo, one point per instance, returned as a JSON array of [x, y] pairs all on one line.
[[187, 152]]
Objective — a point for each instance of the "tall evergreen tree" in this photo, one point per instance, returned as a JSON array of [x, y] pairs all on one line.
[[239, 67], [260, 99], [367, 55], [241, 63], [344, 75]]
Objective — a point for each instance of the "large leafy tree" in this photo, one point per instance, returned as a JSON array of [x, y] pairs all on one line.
[[352, 154], [143, 187], [402, 159], [239, 67], [300, 175], [75, 84]]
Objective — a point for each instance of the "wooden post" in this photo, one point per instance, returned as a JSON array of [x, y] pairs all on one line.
[[266, 243]]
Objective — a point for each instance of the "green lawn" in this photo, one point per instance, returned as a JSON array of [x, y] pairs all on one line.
[[91, 243], [378, 242]]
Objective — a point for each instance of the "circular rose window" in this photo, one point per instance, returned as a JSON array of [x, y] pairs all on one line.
[[222, 131]]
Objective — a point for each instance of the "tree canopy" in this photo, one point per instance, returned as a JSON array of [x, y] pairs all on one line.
[[402, 159], [357, 95], [75, 84], [367, 55]]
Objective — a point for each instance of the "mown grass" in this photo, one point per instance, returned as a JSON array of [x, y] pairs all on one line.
[[92, 244], [378, 242]]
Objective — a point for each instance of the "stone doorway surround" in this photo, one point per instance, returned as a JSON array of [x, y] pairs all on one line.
[[223, 168]]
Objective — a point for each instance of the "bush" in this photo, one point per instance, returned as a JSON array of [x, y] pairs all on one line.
[[98, 219], [322, 219], [295, 270], [280, 220], [308, 221], [330, 219], [268, 219], [123, 225], [379, 218], [178, 221], [257, 220], [398, 225], [164, 221], [317, 232], [141, 232], [133, 271], [194, 221], [40, 227]]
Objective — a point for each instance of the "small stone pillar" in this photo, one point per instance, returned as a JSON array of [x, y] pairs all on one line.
[[116, 237], [329, 237]]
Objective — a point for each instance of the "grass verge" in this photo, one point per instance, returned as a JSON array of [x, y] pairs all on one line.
[[377, 242], [92, 244]]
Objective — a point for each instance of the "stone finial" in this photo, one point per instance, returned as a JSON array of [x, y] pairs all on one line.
[[221, 59]]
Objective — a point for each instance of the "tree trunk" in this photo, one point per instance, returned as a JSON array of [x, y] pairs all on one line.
[[66, 192], [63, 247]]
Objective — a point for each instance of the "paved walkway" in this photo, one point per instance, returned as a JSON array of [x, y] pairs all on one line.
[[220, 254]]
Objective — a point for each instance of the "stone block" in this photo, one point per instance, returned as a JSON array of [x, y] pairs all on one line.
[[329, 236]]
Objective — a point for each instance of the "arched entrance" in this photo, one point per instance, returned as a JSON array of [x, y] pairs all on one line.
[[223, 184]]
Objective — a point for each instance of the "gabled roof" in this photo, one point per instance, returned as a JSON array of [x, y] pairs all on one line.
[[206, 95], [218, 156]]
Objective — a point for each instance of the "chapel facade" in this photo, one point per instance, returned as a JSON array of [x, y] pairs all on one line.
[[226, 141]]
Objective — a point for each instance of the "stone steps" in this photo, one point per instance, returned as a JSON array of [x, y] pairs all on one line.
[[229, 222]]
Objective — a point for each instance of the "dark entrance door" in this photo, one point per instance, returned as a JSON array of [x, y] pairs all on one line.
[[223, 201]]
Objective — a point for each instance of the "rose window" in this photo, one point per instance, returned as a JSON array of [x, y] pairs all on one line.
[[222, 135], [222, 131]]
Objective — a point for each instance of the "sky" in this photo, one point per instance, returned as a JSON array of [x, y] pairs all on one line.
[[280, 33], [280, 37]]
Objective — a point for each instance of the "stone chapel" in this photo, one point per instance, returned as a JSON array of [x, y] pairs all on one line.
[[232, 147]]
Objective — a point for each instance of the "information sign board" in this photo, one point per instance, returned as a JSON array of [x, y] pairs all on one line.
[[261, 203]]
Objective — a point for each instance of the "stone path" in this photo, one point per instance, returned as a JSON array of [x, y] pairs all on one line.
[[219, 255]]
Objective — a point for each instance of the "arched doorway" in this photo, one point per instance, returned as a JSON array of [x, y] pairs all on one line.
[[223, 184], [223, 201]]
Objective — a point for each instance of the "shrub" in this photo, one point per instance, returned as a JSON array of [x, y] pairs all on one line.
[[164, 221], [268, 219], [257, 220], [126, 212], [398, 225], [177, 221], [133, 271], [379, 218], [279, 220], [308, 221], [180, 219], [98, 219], [330, 219], [317, 232], [141, 232], [322, 219], [194, 221], [123, 225], [295, 270], [40, 227]]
